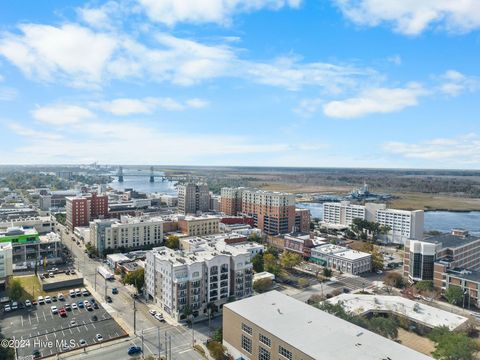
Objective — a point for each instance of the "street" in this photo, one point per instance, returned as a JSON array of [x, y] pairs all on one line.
[[155, 334]]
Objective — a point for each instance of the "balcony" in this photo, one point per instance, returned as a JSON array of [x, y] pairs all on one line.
[[224, 283], [224, 277], [213, 286], [213, 278], [224, 270]]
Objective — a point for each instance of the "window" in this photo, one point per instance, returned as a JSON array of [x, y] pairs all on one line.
[[247, 329], [246, 344], [265, 340], [263, 354], [285, 353]]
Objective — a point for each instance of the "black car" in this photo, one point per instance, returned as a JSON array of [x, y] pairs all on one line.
[[36, 354], [109, 299]]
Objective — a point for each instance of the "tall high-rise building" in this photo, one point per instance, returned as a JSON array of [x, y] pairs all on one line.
[[82, 209], [403, 224], [273, 212], [193, 197], [231, 200], [189, 280]]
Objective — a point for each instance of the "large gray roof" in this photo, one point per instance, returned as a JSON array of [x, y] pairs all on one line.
[[451, 241], [317, 333]]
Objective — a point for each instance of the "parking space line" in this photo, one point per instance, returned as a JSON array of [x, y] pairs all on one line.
[[21, 319], [44, 316], [30, 319], [71, 331]]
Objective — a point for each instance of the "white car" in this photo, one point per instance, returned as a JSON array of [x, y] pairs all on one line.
[[41, 301], [14, 305], [54, 309], [82, 342], [7, 308], [159, 317], [86, 303], [48, 299], [85, 292], [28, 303], [72, 293], [73, 323], [152, 312], [99, 337], [74, 306], [78, 292], [60, 297]]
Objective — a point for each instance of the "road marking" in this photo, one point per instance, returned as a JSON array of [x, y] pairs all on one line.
[[44, 316], [21, 318], [94, 326], [184, 351], [37, 317], [30, 319]]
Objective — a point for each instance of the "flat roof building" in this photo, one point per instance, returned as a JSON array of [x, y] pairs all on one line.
[[276, 326], [342, 258]]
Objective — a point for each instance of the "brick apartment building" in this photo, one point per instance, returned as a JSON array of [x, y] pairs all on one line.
[[447, 259], [231, 200], [81, 209]]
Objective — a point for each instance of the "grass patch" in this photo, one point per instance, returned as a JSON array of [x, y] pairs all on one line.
[[32, 288]]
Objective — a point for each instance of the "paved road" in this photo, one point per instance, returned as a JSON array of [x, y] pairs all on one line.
[[121, 308]]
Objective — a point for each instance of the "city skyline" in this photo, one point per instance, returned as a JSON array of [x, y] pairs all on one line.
[[335, 83]]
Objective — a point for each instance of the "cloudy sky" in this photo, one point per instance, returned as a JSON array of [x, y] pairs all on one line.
[[348, 83]]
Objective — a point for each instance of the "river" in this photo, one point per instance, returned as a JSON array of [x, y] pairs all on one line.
[[142, 184], [443, 221]]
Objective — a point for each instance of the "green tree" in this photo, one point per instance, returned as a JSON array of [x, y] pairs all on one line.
[[452, 345], [257, 262], [377, 258], [270, 264], [262, 285], [218, 335], [15, 289], [424, 285], [135, 278], [394, 279], [216, 350], [454, 295], [288, 259], [61, 218], [386, 327], [327, 272], [172, 242]]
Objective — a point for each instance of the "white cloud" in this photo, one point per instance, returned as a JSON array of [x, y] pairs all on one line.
[[463, 149], [412, 17], [170, 12], [395, 59], [454, 83], [48, 52], [32, 133], [133, 141], [289, 73], [79, 56], [197, 103], [61, 114], [7, 93], [127, 106], [308, 107], [375, 100]]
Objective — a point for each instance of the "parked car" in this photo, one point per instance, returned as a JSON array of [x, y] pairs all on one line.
[[78, 292], [109, 299], [159, 317], [41, 301], [114, 291], [34, 302], [48, 299], [54, 309], [14, 305], [80, 304], [82, 342], [7, 308], [99, 337], [74, 306], [36, 354], [73, 323], [152, 312], [94, 318], [85, 292], [68, 307], [62, 312], [61, 297], [54, 298], [28, 303], [132, 350], [95, 305], [72, 293]]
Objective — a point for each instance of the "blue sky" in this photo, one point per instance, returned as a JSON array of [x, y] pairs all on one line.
[[345, 83]]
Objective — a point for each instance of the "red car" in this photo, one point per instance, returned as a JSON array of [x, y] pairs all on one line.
[[62, 312]]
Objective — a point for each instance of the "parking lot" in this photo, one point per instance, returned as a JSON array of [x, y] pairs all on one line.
[[37, 328]]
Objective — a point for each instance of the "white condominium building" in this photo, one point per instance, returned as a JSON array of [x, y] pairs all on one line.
[[403, 224], [128, 232], [181, 282], [6, 265], [342, 258]]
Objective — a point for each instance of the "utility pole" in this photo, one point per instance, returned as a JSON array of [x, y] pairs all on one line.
[[166, 347], [158, 339], [95, 280], [142, 343], [105, 289], [134, 316], [193, 333], [170, 346]]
